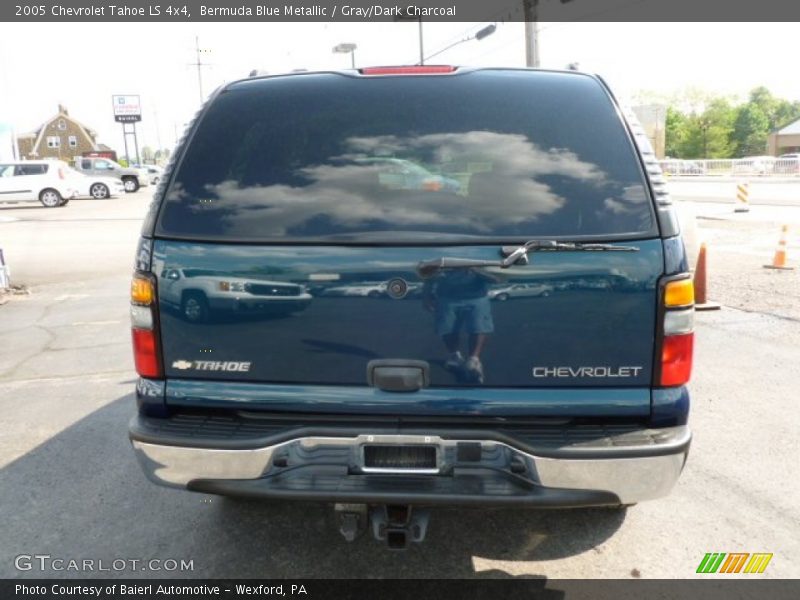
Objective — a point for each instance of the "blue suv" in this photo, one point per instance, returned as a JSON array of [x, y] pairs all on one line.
[[308, 325]]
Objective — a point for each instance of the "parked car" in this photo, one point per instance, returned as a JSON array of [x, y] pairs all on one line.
[[370, 289], [94, 186], [132, 178], [386, 408], [154, 173], [520, 290], [44, 180], [201, 294]]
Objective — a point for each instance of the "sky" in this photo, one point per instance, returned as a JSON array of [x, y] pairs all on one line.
[[153, 60]]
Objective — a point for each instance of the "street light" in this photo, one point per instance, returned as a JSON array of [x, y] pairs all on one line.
[[481, 34], [346, 48]]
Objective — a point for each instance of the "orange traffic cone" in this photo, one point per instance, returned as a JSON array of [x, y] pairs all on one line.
[[779, 260], [700, 284]]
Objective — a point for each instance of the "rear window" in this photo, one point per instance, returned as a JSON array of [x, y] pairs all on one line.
[[487, 154], [31, 170]]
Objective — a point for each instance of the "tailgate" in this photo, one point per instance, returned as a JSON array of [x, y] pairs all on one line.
[[318, 315]]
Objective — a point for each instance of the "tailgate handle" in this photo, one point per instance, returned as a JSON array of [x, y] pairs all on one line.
[[398, 374]]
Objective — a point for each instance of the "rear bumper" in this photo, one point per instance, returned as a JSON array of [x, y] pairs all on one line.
[[478, 467]]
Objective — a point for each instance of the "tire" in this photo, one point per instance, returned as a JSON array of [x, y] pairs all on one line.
[[194, 307], [131, 184], [99, 191], [501, 297], [51, 198]]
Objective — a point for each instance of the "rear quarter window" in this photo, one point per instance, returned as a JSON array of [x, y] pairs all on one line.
[[489, 154]]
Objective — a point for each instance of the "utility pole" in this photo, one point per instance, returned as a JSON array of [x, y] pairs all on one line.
[[199, 64], [421, 49], [530, 8], [531, 12]]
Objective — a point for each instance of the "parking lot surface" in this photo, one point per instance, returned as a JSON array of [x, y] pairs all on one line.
[[70, 486]]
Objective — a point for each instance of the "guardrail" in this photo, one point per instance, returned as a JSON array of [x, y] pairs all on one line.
[[733, 167]]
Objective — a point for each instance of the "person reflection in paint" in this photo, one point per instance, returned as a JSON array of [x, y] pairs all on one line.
[[460, 303]]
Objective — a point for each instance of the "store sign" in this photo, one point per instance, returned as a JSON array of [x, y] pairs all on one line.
[[127, 109]]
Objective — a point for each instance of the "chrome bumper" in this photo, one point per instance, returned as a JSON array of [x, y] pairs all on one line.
[[631, 473]]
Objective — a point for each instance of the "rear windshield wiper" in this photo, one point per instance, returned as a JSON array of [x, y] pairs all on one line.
[[516, 254]]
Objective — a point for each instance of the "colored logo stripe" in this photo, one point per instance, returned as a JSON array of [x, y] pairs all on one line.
[[710, 562], [735, 561], [758, 563]]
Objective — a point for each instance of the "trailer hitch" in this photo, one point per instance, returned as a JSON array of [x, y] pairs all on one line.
[[399, 524], [396, 524]]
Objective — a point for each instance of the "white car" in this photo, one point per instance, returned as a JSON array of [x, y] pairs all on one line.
[[201, 294], [519, 290], [96, 187], [47, 181], [154, 173]]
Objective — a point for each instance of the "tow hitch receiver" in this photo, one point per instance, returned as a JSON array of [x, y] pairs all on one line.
[[399, 525]]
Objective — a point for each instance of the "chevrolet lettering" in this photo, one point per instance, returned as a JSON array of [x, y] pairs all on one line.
[[392, 288], [586, 371]]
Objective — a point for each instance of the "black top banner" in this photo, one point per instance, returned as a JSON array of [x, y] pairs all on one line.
[[382, 11]]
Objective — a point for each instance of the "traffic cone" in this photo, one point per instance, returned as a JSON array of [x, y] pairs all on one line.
[[700, 283], [779, 260], [742, 197]]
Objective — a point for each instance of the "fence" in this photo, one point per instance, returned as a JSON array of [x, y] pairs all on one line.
[[734, 167]]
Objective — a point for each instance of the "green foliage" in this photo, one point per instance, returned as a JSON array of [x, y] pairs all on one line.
[[750, 130], [700, 125]]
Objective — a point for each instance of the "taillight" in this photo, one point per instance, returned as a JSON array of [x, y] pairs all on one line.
[[677, 345], [146, 355], [409, 70]]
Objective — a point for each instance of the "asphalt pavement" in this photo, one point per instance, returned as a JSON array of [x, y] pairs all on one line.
[[71, 488]]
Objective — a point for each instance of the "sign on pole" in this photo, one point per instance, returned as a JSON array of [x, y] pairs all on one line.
[[127, 109]]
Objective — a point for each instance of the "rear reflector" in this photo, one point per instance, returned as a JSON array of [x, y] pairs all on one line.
[[679, 293], [676, 359], [145, 353], [410, 70]]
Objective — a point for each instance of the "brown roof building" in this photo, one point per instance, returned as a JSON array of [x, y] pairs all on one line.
[[61, 137]]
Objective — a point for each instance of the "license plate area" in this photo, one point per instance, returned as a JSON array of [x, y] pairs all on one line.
[[400, 458]]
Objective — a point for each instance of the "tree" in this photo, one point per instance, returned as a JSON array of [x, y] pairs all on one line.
[[750, 130], [717, 124], [700, 125], [676, 132]]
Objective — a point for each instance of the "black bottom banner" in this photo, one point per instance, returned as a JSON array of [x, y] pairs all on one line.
[[387, 589]]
